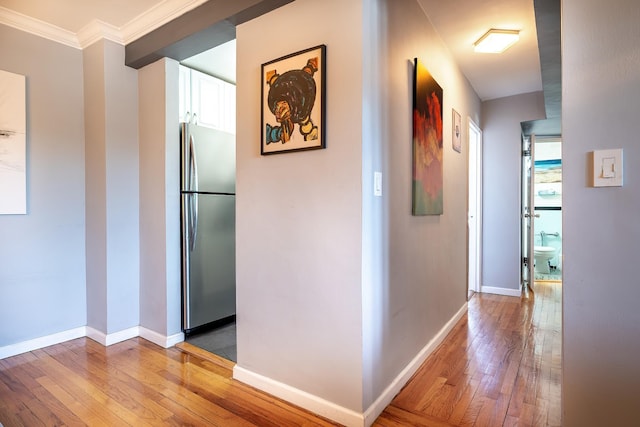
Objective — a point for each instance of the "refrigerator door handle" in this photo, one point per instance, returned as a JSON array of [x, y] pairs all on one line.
[[193, 211], [193, 186], [186, 256], [193, 165]]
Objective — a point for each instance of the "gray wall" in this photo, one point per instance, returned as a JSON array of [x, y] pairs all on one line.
[[300, 308], [42, 254], [424, 279], [111, 135], [299, 301], [96, 187], [159, 197], [339, 290], [123, 232], [501, 181], [601, 320], [51, 280]]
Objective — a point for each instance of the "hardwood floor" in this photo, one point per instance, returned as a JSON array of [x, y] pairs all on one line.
[[499, 366], [133, 383]]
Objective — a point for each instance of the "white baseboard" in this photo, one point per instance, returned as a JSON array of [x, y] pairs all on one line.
[[114, 338], [298, 397], [159, 339], [46, 341], [405, 375], [500, 291], [338, 413], [94, 334]]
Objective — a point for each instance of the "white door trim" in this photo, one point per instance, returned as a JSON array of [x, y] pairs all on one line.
[[474, 203]]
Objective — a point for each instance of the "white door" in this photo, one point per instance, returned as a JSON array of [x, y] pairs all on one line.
[[475, 207]]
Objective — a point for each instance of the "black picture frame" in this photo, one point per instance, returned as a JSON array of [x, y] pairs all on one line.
[[293, 102]]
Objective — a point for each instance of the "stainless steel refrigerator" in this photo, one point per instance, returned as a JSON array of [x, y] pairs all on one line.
[[207, 192]]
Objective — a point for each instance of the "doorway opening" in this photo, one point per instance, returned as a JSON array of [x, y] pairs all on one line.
[[207, 100], [547, 229], [542, 210]]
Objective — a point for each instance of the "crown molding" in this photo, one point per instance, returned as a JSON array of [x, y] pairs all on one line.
[[97, 30], [37, 27], [157, 16], [139, 26]]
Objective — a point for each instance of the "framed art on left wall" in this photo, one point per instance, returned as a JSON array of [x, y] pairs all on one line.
[[13, 140]]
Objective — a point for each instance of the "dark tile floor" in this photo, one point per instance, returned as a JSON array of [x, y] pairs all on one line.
[[220, 341]]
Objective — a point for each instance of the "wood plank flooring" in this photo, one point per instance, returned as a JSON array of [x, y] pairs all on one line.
[[499, 366]]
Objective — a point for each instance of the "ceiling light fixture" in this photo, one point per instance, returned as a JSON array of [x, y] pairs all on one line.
[[496, 41]]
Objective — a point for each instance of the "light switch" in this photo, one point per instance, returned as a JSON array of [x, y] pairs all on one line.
[[607, 168], [377, 184]]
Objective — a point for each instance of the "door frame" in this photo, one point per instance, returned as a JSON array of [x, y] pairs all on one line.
[[474, 208]]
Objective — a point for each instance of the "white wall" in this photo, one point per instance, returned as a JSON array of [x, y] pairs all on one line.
[[501, 181], [298, 228], [600, 103], [42, 254]]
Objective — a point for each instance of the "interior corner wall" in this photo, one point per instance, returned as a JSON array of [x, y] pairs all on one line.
[[501, 182], [111, 135], [159, 197], [299, 227], [424, 280], [600, 104], [42, 253], [374, 251], [96, 187], [123, 195]]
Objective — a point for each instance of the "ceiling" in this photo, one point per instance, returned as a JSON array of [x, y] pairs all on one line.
[[459, 23], [533, 64], [219, 61], [462, 22], [73, 15]]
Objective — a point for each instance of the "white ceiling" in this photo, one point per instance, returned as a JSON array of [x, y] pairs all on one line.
[[219, 61], [459, 23]]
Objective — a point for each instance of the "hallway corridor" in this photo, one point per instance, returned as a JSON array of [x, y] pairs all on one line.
[[500, 366]]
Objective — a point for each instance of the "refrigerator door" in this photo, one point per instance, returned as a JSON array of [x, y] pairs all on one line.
[[208, 248], [208, 160]]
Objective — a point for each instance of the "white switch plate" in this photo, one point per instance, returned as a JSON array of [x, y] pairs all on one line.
[[377, 184], [607, 168]]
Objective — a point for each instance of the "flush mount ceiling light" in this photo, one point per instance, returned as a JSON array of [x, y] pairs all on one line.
[[496, 41]]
